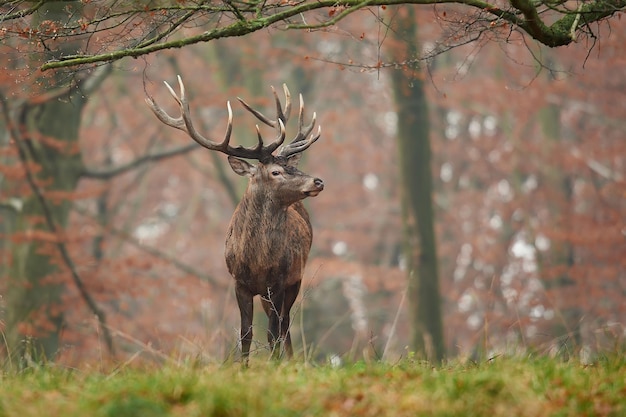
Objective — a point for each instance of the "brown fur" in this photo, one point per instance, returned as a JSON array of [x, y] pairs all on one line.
[[268, 243]]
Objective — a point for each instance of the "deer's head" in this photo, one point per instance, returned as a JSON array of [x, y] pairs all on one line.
[[274, 176]]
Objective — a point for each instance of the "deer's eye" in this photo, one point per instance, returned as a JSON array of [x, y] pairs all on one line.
[[275, 173]]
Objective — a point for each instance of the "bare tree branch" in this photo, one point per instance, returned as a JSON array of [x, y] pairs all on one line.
[[548, 22], [128, 238], [105, 174]]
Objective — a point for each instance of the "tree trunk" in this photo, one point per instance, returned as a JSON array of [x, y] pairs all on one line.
[[34, 302], [48, 143], [560, 256], [417, 185]]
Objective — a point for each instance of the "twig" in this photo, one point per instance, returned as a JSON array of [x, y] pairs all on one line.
[[394, 324], [572, 32]]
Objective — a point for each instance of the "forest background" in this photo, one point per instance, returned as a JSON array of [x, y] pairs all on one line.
[[112, 225]]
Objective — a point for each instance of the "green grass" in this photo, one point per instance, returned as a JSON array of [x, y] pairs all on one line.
[[501, 387]]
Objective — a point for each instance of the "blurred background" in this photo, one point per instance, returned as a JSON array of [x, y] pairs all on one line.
[[528, 165]]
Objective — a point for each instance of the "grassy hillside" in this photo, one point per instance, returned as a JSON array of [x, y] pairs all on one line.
[[501, 387]]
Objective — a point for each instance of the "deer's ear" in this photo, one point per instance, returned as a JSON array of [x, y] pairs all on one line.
[[241, 167], [293, 160]]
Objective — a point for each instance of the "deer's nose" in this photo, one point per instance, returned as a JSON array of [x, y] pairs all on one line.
[[318, 183]]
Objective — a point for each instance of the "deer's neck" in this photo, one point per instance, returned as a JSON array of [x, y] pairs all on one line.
[[261, 212], [257, 230]]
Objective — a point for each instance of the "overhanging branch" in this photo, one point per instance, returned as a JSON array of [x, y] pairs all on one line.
[[247, 18]]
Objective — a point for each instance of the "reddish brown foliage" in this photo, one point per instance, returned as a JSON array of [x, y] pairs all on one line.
[[530, 227]]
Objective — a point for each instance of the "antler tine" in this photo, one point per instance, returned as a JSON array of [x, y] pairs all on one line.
[[301, 145], [280, 114], [279, 123], [184, 122], [229, 126], [279, 111], [303, 133], [257, 113], [181, 87], [276, 143], [162, 115], [299, 142]]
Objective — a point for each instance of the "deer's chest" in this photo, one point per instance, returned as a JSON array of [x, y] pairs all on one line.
[[267, 253]]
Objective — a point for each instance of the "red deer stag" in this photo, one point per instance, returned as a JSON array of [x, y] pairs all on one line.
[[270, 235]]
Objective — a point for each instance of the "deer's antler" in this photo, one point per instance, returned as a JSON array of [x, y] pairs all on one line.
[[259, 152]]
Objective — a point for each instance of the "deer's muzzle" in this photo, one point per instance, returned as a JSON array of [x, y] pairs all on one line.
[[319, 186]]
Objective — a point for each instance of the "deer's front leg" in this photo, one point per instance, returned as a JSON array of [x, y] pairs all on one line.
[[244, 300]]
